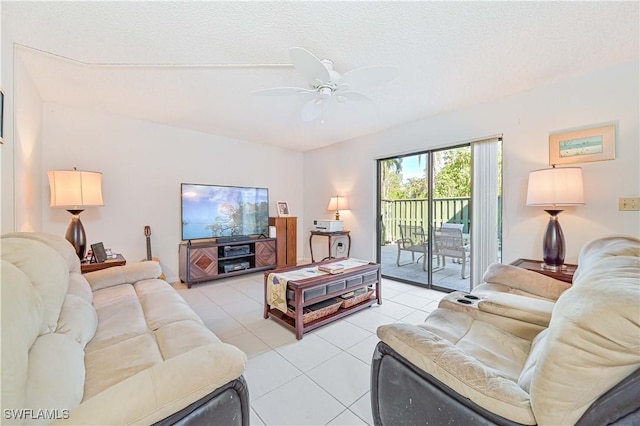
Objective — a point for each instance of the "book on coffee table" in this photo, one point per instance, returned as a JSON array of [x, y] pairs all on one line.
[[332, 268]]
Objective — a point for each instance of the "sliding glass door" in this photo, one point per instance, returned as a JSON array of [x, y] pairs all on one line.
[[404, 218], [451, 218], [425, 216]]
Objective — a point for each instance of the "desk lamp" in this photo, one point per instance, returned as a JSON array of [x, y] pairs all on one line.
[[338, 203], [553, 188], [75, 190]]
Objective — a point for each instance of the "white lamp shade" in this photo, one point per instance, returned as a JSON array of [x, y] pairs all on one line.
[[555, 187], [75, 189], [338, 203]]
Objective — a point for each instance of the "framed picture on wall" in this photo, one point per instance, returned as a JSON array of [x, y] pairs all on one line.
[[582, 146], [283, 209]]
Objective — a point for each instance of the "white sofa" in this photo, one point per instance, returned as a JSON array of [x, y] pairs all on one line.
[[468, 368], [117, 346]]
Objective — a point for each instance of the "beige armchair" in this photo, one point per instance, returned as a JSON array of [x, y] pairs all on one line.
[[583, 368]]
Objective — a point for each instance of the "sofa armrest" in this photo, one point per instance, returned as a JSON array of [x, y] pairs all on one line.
[[459, 371], [521, 308], [228, 405], [524, 280], [127, 274], [157, 392]]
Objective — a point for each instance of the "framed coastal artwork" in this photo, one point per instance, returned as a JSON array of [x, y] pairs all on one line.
[[582, 146]]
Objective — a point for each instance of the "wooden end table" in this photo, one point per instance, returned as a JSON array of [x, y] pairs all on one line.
[[330, 236], [565, 274], [97, 266]]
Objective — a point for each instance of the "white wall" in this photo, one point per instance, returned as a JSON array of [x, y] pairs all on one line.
[[143, 165], [21, 154], [525, 120], [7, 223], [28, 152]]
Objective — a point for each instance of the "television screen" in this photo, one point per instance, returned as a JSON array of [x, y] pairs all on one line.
[[212, 211]]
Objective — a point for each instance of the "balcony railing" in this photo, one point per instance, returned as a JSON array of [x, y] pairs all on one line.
[[415, 212]]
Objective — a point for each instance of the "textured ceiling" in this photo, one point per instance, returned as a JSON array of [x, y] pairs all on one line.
[[194, 64]]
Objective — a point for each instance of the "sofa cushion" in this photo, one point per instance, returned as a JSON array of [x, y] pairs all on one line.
[[602, 248], [592, 342], [77, 319], [56, 373], [120, 316], [495, 312], [476, 359], [527, 309], [530, 365], [47, 273], [157, 392], [56, 242], [128, 274], [512, 279], [161, 304], [182, 336], [490, 345], [79, 286], [114, 363], [140, 325], [22, 314]]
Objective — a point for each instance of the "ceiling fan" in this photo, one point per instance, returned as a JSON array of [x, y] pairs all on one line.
[[326, 85]]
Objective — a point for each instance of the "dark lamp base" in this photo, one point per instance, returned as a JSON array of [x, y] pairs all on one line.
[[554, 268], [553, 242], [76, 235]]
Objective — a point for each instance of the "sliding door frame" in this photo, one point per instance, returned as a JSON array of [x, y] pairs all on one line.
[[474, 265]]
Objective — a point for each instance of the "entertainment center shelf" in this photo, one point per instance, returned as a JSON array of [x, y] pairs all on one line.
[[211, 260]]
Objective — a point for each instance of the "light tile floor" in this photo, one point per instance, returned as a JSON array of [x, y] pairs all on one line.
[[322, 379]]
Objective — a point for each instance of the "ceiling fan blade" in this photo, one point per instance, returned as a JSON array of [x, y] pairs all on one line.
[[353, 97], [365, 77], [309, 65], [312, 109], [281, 91]]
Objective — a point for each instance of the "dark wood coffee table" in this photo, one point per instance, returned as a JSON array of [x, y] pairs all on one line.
[[299, 287]]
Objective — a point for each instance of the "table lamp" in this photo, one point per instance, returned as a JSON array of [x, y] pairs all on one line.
[[75, 190], [338, 203], [553, 188]]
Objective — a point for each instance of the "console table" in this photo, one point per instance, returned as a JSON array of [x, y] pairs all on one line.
[[330, 237], [309, 291]]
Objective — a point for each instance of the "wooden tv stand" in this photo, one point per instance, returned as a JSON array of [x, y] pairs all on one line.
[[211, 260]]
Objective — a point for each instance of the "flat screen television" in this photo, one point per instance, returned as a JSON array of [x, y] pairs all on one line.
[[214, 211]]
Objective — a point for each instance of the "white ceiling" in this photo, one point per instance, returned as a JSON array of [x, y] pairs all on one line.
[[194, 64]]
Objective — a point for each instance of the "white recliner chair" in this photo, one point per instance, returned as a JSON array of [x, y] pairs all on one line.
[[460, 367]]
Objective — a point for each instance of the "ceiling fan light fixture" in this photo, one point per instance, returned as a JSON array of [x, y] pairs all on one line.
[[325, 81], [325, 92]]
